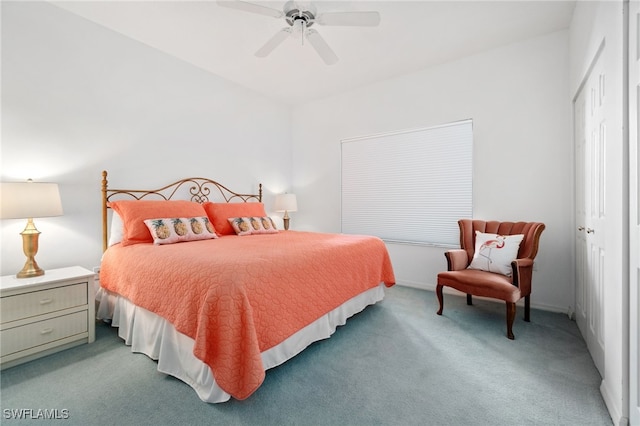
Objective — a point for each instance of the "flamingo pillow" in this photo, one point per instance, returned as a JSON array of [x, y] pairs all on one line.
[[494, 253]]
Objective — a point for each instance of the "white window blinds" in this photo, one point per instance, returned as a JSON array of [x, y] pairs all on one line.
[[410, 186]]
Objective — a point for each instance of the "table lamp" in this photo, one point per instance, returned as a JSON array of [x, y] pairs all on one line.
[[286, 203], [26, 200]]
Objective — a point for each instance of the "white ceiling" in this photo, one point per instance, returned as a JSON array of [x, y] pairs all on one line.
[[412, 35]]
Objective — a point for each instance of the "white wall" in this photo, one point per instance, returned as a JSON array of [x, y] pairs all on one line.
[[77, 99], [594, 23], [518, 98]]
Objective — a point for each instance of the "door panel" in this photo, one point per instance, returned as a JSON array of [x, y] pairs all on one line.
[[590, 149]]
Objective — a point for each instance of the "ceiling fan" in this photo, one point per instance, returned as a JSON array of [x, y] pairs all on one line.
[[300, 15]]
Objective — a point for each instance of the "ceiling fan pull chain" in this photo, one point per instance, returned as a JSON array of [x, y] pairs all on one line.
[[304, 28]]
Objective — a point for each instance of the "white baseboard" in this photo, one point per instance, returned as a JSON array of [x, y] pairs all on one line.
[[613, 407]]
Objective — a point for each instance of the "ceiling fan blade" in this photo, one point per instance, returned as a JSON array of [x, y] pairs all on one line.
[[358, 19], [321, 46], [273, 42], [252, 8]]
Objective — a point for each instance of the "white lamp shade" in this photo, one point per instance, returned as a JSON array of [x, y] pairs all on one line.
[[286, 202], [23, 200]]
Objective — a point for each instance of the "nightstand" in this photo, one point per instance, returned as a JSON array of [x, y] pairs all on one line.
[[45, 314]]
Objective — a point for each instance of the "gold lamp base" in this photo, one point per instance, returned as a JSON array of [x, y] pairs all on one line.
[[30, 248], [286, 219]]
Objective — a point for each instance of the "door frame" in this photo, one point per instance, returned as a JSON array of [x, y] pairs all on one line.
[[633, 117]]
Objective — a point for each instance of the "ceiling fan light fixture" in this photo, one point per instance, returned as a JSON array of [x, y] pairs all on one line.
[[299, 29], [294, 12], [300, 15]]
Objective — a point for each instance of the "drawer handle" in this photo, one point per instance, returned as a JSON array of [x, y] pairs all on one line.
[[46, 331], [46, 301]]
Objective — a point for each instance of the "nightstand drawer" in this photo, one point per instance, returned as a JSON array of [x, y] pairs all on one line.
[[39, 333], [28, 305]]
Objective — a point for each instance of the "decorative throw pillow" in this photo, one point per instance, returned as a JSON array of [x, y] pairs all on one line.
[[494, 253], [240, 225], [268, 226], [219, 213], [135, 212], [177, 229], [253, 225]]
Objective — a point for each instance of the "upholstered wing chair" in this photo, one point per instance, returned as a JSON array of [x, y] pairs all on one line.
[[481, 274]]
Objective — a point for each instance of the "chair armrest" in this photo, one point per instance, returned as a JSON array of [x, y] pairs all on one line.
[[522, 263], [522, 273], [456, 259]]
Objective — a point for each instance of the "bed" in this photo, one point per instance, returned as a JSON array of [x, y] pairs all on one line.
[[200, 278]]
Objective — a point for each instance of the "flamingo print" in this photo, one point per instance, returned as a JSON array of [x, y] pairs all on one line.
[[489, 245]]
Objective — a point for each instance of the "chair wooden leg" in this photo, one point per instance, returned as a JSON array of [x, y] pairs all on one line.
[[511, 315], [527, 308], [439, 294], [469, 299]]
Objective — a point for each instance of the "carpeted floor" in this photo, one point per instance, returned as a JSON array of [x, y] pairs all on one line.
[[396, 363]]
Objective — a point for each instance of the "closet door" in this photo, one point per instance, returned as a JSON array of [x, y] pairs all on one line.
[[590, 146]]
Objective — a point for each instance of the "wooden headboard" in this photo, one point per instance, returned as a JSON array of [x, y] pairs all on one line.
[[193, 189]]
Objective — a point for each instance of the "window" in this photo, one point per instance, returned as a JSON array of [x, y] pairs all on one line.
[[410, 186]]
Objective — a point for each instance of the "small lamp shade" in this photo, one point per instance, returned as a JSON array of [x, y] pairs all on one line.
[[26, 200], [286, 202], [23, 200]]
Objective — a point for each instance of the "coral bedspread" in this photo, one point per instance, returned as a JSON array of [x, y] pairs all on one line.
[[239, 296]]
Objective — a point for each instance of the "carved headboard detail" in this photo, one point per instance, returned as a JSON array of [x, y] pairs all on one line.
[[193, 189]]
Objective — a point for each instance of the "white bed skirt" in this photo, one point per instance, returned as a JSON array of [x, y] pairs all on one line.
[[155, 337]]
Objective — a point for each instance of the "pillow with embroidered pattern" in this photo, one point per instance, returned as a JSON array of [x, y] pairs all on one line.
[[219, 214], [177, 229], [494, 253], [134, 212], [253, 225]]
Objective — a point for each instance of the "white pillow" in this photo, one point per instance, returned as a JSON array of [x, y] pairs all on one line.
[[494, 253], [116, 230]]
